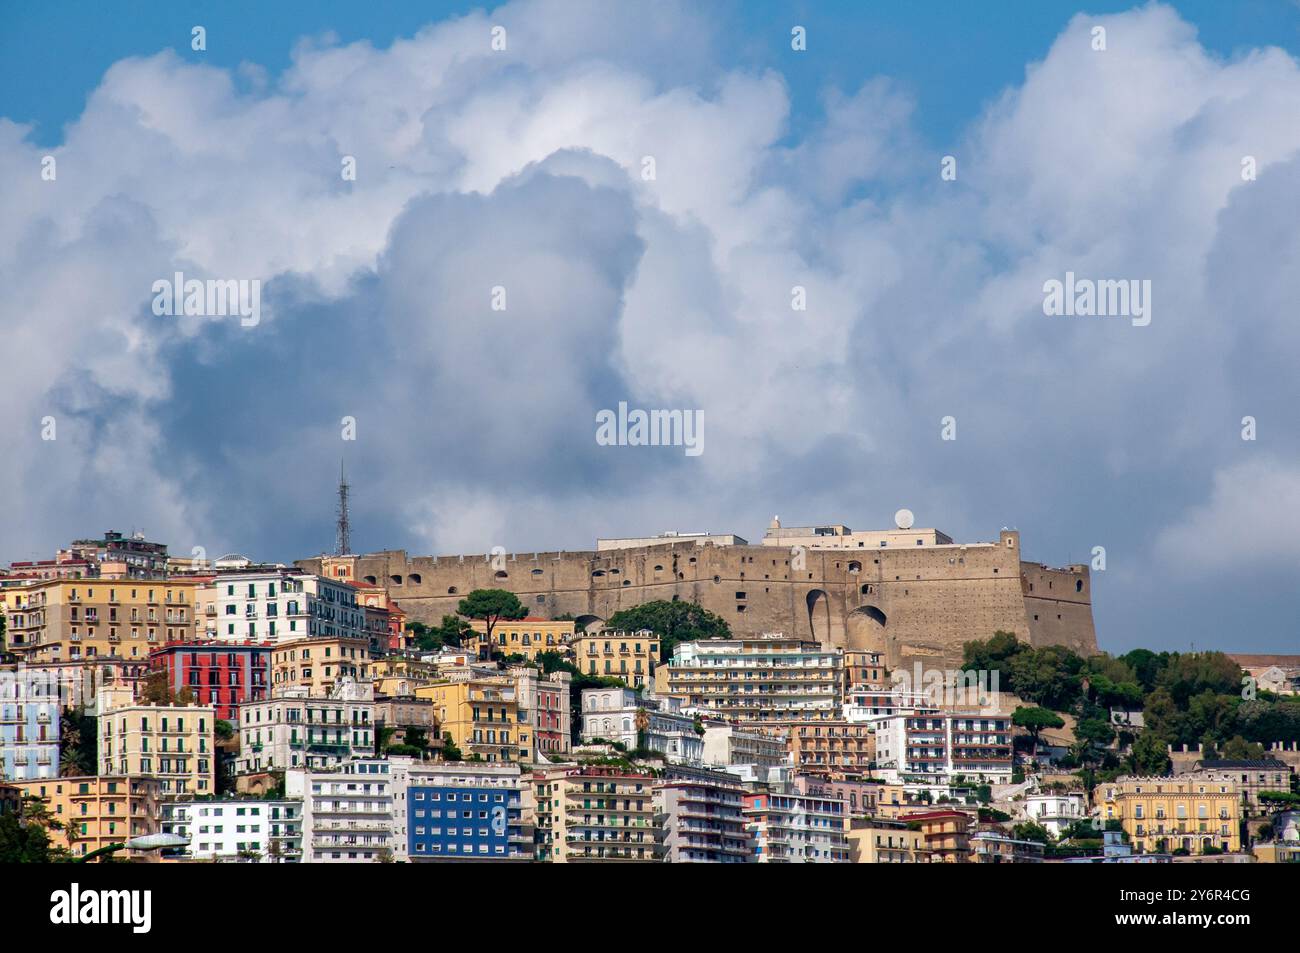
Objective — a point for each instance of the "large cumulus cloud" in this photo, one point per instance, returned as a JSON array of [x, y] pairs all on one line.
[[523, 170]]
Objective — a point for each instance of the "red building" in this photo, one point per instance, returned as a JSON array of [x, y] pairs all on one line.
[[224, 674]]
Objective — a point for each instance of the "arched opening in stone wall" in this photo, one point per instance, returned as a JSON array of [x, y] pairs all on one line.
[[589, 623], [823, 622], [866, 630]]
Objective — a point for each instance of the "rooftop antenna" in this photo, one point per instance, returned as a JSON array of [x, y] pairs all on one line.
[[343, 530]]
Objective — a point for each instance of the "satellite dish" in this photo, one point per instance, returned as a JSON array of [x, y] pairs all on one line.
[[903, 519]]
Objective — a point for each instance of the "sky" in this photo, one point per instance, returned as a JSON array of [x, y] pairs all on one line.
[[838, 256]]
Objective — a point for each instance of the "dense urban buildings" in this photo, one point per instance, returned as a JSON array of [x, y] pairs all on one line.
[[259, 713]]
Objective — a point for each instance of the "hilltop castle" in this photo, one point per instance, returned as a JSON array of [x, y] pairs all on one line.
[[911, 594]]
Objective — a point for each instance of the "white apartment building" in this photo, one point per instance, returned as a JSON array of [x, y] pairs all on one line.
[[347, 812], [726, 745], [268, 831], [936, 746], [611, 714], [276, 606], [769, 678], [299, 731], [797, 828], [864, 703], [1056, 812]]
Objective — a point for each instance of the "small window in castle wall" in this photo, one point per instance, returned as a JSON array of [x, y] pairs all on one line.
[[1078, 585]]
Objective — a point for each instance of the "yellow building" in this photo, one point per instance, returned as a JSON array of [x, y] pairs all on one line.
[[525, 637], [1184, 812], [174, 743], [57, 620], [317, 664], [482, 715], [881, 841], [631, 656], [398, 676], [97, 811], [594, 813]]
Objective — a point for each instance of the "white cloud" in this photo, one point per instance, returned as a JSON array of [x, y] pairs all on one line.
[[522, 169]]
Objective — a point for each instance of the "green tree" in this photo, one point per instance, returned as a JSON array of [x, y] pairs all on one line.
[[431, 638], [1049, 676], [223, 729], [491, 606], [78, 743], [993, 654], [1238, 748], [1031, 831], [1034, 720], [449, 750], [1150, 754], [673, 622]]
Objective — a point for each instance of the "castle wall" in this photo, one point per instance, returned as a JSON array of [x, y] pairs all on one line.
[[910, 604]]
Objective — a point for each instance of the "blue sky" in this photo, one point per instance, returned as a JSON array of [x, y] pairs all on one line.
[[775, 170], [954, 55]]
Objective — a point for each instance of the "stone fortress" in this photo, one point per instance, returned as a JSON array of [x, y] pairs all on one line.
[[911, 594]]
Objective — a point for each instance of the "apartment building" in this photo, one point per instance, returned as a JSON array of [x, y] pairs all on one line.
[[385, 620], [946, 833], [347, 811], [630, 656], [594, 813], [398, 676], [1187, 812], [634, 720], [878, 840], [527, 637], [838, 749], [267, 831], [864, 671], [74, 619], [454, 811], [938, 745], [726, 744], [277, 605], [30, 719], [224, 675], [403, 713], [305, 731], [860, 797], [173, 743], [78, 683], [1056, 812], [869, 704], [482, 715], [702, 822], [1252, 777], [765, 679], [544, 705], [139, 558], [317, 664], [998, 847], [791, 828], [97, 811]]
